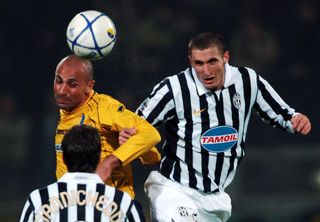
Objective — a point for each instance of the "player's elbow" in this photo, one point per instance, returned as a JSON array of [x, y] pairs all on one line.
[[156, 138]]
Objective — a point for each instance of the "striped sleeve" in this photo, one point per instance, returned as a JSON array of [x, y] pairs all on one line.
[[159, 106], [271, 107], [28, 211]]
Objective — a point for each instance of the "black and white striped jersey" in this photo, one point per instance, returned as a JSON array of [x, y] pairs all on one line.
[[80, 197], [205, 131]]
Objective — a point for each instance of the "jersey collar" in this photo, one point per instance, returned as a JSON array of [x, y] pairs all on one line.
[[80, 177], [78, 109]]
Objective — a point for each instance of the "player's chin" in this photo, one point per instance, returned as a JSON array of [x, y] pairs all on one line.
[[64, 106]]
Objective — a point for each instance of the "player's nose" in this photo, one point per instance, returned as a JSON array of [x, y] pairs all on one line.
[[206, 69], [63, 89]]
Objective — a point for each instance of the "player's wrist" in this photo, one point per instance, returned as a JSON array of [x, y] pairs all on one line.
[[113, 161]]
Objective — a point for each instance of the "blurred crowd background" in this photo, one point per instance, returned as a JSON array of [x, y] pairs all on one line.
[[279, 179]]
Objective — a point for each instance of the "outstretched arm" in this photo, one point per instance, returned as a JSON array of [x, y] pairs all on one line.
[[301, 123]]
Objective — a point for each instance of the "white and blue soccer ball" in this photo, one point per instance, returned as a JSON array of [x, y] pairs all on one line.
[[91, 35]]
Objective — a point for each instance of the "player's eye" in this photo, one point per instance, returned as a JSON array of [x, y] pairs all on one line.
[[198, 63], [73, 85], [213, 61], [58, 80]]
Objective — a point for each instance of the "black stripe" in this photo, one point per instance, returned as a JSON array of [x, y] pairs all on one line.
[[205, 125], [188, 133], [247, 98], [222, 122], [246, 89], [44, 196], [170, 113], [81, 210], [160, 86], [62, 187], [117, 199], [129, 213], [170, 148], [272, 102], [138, 207], [100, 189], [263, 115], [29, 211], [235, 124], [160, 106]]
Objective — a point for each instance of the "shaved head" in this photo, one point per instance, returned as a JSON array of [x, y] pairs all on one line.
[[83, 66]]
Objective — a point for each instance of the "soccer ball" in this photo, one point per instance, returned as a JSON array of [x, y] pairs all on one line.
[[91, 35]]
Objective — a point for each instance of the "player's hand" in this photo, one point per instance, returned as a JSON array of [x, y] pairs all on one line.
[[125, 134], [106, 166], [301, 123]]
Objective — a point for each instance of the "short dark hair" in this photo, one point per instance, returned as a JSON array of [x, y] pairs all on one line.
[[205, 40], [81, 147]]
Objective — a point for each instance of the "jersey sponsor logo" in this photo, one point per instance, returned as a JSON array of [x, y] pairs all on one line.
[[236, 99], [219, 139]]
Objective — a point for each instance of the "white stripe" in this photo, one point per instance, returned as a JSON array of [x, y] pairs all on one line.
[[135, 214], [231, 175], [24, 211], [212, 162]]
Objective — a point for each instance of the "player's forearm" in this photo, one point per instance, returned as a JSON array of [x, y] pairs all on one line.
[[106, 166], [146, 138]]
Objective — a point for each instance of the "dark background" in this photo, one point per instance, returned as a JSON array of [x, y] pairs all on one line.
[[279, 179]]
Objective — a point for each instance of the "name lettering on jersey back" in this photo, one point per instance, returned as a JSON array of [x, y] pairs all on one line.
[[102, 203], [219, 139]]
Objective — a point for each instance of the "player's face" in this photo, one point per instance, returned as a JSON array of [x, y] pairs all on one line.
[[209, 65], [71, 87]]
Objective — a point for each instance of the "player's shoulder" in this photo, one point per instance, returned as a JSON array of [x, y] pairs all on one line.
[[175, 77], [112, 191], [100, 97], [243, 72], [42, 191], [240, 70], [107, 102]]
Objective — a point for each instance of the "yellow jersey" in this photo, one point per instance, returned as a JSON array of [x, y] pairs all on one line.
[[109, 116]]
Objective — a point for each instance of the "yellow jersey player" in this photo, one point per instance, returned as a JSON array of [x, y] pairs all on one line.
[[80, 104]]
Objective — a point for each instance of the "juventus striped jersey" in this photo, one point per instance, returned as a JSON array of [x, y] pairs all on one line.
[[205, 131], [80, 197]]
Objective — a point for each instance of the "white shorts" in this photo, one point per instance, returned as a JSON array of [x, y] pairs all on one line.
[[172, 202]]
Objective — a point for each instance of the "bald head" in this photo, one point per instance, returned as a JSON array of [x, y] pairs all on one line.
[[83, 66]]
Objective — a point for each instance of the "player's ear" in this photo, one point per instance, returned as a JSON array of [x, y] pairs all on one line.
[[190, 59], [226, 56], [90, 86]]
